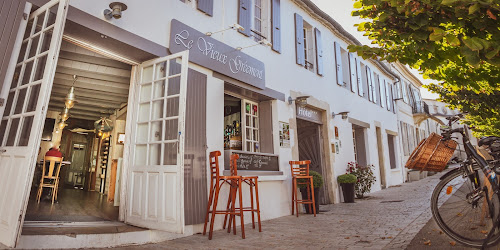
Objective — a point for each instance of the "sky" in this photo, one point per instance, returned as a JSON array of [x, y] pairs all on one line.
[[341, 10]]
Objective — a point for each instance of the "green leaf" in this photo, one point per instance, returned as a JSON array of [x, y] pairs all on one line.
[[453, 40], [448, 2], [473, 44], [474, 8], [493, 53], [471, 56], [420, 35], [357, 5], [437, 34]]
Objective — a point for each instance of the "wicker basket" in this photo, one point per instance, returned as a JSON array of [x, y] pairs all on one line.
[[431, 154]]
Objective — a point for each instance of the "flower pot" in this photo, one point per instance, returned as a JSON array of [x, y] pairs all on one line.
[[348, 192], [303, 191]]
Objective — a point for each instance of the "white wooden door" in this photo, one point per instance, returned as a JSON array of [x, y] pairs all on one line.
[[24, 115], [155, 181]]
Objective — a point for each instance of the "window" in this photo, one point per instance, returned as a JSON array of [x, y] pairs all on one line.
[[382, 92], [345, 66], [405, 92], [398, 91], [309, 51], [388, 87], [392, 150], [241, 132]]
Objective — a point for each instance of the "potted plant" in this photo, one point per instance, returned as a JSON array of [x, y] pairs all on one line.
[[317, 183], [365, 176], [347, 182]]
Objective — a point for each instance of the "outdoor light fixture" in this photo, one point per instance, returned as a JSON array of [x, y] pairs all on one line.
[[232, 27], [301, 101], [264, 42], [115, 10], [343, 114], [61, 125], [70, 98]]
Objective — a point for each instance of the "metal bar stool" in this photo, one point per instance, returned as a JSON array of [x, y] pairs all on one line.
[[252, 182], [299, 172], [216, 182]]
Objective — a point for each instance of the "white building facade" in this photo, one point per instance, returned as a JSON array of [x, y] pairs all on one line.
[[203, 76]]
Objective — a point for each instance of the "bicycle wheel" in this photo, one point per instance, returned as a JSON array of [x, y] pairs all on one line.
[[462, 212]]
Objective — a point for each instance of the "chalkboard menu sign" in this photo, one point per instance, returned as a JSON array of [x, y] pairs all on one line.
[[253, 161]]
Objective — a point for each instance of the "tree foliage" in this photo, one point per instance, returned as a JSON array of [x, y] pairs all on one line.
[[455, 42]]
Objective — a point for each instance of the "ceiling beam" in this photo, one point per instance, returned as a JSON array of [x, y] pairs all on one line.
[[94, 75], [106, 105], [60, 106], [96, 85], [91, 99], [64, 90], [75, 56]]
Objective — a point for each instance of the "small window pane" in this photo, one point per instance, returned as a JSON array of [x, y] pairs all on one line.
[[9, 104], [27, 73], [52, 15], [161, 70], [255, 124], [154, 154], [157, 112], [170, 154], [26, 131], [142, 133], [248, 133], [255, 134], [143, 112], [40, 68], [33, 46], [11, 136], [145, 93], [159, 89], [174, 86], [3, 126], [147, 74], [22, 53], [171, 129], [175, 68], [20, 101], [248, 121], [15, 78], [33, 99], [140, 154], [39, 22], [27, 33], [156, 131], [47, 35], [172, 106], [249, 146]]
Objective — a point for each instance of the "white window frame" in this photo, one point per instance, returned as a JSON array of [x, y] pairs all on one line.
[[309, 48], [346, 75], [252, 127], [382, 92], [264, 32]]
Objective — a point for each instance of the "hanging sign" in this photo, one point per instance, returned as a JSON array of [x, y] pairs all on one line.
[[208, 52]]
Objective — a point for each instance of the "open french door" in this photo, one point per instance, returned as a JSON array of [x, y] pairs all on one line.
[[24, 114], [155, 176]]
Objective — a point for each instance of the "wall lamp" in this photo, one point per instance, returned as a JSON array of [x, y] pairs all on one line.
[[232, 27], [301, 101], [115, 10], [343, 114]]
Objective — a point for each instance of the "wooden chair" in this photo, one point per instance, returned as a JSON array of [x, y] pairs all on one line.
[[252, 182], [50, 176], [299, 172], [216, 182]]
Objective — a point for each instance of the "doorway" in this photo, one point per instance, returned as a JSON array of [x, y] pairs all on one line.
[[89, 146], [310, 148], [381, 162]]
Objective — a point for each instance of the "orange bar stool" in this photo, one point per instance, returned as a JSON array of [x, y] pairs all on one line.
[[300, 171], [216, 182], [253, 183]]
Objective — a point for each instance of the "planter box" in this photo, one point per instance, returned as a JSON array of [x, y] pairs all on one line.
[[413, 175]]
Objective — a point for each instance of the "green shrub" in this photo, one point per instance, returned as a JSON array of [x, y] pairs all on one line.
[[347, 178], [317, 180]]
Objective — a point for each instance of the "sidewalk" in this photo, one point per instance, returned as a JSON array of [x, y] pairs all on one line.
[[388, 219]]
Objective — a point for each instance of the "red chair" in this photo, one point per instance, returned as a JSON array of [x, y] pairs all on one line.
[[299, 172], [216, 182], [252, 182]]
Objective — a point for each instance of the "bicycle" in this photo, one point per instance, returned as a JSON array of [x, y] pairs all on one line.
[[466, 202]]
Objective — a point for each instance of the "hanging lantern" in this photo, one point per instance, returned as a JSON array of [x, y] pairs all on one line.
[[70, 98], [65, 114], [61, 125]]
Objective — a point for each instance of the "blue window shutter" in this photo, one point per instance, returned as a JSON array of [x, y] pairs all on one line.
[[206, 6], [299, 40], [276, 24]]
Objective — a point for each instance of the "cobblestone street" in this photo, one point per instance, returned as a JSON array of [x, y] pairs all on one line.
[[388, 219]]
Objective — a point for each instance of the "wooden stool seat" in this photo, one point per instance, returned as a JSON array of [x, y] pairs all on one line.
[[216, 182], [252, 182], [299, 172]]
